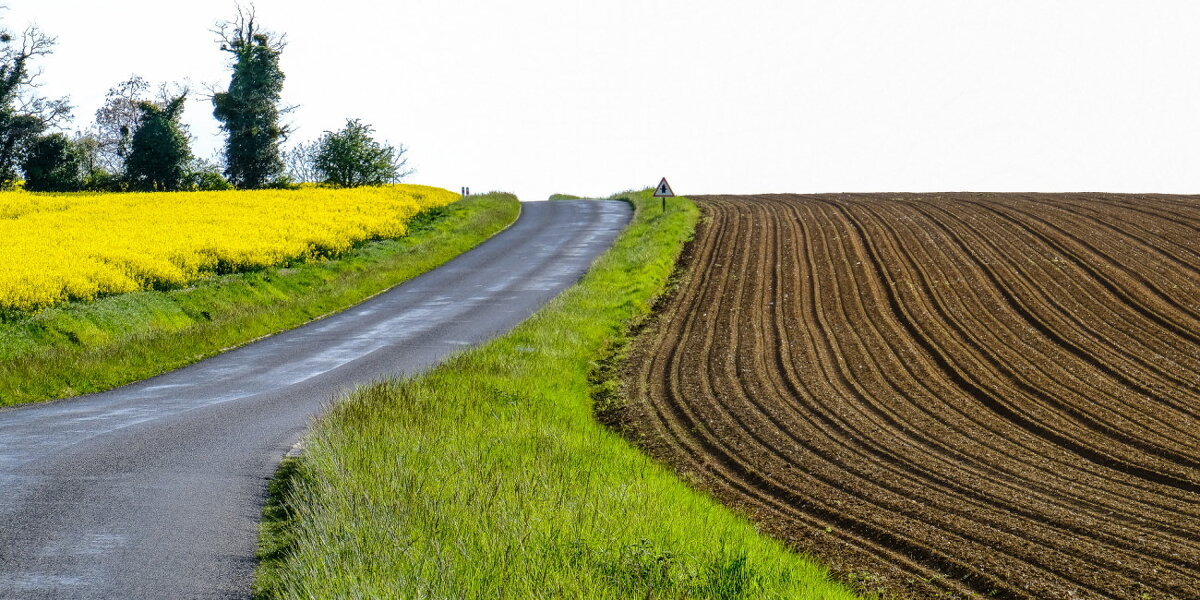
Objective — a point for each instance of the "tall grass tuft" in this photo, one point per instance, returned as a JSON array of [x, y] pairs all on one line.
[[490, 477]]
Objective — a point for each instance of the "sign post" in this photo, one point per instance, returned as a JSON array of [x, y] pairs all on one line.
[[664, 191]]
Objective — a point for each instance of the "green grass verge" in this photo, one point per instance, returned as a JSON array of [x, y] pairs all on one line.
[[87, 347], [564, 197], [490, 477]]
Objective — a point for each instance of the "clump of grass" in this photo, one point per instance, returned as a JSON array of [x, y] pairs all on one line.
[[85, 347], [490, 477]]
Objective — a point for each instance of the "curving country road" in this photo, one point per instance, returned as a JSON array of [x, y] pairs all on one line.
[[154, 490]]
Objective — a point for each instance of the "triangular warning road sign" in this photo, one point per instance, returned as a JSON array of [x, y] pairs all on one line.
[[663, 190]]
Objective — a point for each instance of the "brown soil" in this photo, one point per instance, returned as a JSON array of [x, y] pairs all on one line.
[[952, 395]]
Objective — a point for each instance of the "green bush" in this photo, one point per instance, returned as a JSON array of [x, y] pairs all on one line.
[[53, 164], [209, 181], [351, 157], [99, 180]]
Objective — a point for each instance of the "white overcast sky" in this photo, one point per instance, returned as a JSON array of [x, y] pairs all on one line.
[[593, 98]]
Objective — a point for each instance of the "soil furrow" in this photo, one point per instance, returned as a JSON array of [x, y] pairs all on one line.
[[1184, 325], [691, 443], [901, 394], [1136, 230], [918, 387], [960, 369], [905, 364], [876, 380], [1092, 320], [1108, 400], [727, 462]]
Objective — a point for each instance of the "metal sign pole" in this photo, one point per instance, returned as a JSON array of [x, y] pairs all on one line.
[[663, 191]]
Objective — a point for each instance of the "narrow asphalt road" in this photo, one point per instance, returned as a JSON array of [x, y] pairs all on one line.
[[154, 490]]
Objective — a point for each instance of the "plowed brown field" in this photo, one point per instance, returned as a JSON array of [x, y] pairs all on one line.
[[969, 395]]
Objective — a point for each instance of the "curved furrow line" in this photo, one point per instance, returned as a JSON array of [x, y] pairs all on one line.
[[672, 341], [1134, 442], [1090, 313], [1118, 542], [1148, 211], [708, 391], [1138, 252], [1179, 211], [1185, 425], [948, 454], [965, 356], [1047, 537], [1161, 208], [989, 265], [1185, 328], [1080, 379], [1026, 366], [716, 443], [991, 400], [862, 438], [1138, 257], [1129, 271], [1100, 332], [895, 498], [692, 434], [957, 460], [1136, 230], [1040, 403], [1047, 394], [975, 425], [1173, 263], [794, 518], [1043, 402], [994, 542]]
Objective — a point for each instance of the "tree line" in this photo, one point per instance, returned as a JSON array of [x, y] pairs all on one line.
[[139, 143]]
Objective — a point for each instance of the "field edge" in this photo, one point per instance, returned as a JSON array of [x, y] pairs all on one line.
[[94, 347], [815, 463]]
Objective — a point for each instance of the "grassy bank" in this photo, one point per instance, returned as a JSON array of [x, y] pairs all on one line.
[[490, 477], [85, 347]]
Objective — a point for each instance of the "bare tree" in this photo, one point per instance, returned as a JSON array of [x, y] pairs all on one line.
[[119, 117], [399, 164], [23, 114], [301, 162], [116, 120], [88, 145]]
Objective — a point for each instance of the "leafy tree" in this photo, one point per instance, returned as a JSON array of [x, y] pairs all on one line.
[[116, 120], [351, 157], [159, 153], [205, 176], [23, 115], [249, 110], [209, 181], [53, 163], [99, 180], [88, 146]]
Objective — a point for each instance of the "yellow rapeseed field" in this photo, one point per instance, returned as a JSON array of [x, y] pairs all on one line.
[[57, 248]]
